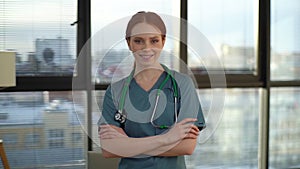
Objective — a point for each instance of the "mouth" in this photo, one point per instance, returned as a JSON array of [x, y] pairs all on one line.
[[147, 56]]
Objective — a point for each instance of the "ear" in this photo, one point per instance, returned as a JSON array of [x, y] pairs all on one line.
[[128, 43], [163, 40]]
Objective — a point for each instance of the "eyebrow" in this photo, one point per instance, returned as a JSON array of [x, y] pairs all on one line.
[[152, 37]]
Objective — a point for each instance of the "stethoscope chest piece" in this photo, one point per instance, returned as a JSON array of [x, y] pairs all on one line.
[[120, 117]]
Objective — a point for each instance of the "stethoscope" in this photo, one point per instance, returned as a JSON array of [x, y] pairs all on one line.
[[120, 116]]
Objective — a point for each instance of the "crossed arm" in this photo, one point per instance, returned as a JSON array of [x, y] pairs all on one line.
[[179, 140]]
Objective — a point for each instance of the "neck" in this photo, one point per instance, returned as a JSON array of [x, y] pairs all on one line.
[[148, 73]]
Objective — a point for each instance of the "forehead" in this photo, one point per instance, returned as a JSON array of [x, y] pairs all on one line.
[[145, 29], [146, 36]]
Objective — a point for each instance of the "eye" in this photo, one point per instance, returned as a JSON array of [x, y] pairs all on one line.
[[153, 41], [138, 41]]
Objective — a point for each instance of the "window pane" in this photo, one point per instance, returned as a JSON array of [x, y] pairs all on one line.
[[111, 57], [38, 129], [230, 28], [234, 144], [96, 114], [284, 128], [285, 40], [41, 35], [235, 141], [32, 140]]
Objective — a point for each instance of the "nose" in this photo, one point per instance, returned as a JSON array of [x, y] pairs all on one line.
[[147, 45]]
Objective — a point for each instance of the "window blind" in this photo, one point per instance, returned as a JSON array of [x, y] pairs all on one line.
[[41, 34]]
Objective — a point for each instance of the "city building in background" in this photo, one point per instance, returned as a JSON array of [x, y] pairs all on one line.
[[38, 129], [52, 54], [51, 57]]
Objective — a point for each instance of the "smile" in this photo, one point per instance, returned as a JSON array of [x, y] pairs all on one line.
[[146, 56]]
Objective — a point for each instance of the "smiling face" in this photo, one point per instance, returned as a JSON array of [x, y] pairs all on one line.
[[146, 48], [146, 44]]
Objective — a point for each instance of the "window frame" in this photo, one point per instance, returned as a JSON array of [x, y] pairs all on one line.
[[260, 80]]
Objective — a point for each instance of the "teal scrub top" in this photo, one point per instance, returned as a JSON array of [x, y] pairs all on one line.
[[138, 107]]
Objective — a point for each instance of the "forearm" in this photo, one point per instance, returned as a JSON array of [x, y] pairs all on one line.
[[107, 154], [184, 147], [116, 143], [130, 147]]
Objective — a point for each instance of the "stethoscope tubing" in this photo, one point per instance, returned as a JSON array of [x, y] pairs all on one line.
[[126, 87]]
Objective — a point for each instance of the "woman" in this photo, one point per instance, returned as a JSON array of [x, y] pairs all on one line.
[[151, 118]]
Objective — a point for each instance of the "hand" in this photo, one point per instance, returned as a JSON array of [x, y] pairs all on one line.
[[193, 133], [110, 132], [183, 129]]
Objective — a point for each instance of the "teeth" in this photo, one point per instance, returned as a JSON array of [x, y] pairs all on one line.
[[146, 56]]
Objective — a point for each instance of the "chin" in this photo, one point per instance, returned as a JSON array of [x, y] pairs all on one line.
[[147, 62]]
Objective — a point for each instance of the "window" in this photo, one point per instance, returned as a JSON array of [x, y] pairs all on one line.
[[37, 130], [32, 140], [39, 118], [285, 41], [96, 114], [222, 35], [56, 143], [10, 138], [284, 128], [231, 137], [56, 134], [44, 41], [111, 58], [76, 137]]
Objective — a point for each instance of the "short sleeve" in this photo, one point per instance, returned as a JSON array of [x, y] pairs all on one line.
[[190, 104], [200, 123], [109, 110]]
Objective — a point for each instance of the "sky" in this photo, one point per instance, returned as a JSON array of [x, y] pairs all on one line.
[[232, 22]]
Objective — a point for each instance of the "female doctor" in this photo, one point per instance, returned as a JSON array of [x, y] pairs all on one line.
[[151, 118]]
